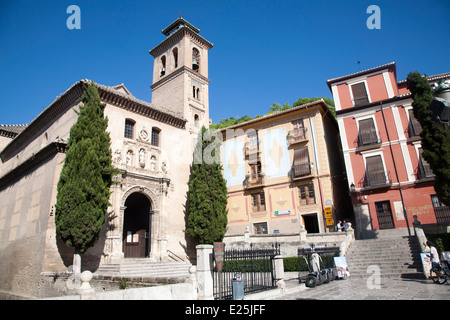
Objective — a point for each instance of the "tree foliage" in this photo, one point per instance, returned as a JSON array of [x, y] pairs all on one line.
[[435, 138], [275, 107], [207, 196], [86, 176]]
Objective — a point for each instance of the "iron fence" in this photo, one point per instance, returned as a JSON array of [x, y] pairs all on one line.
[[254, 265]]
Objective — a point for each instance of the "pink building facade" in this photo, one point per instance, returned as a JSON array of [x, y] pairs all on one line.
[[391, 184]]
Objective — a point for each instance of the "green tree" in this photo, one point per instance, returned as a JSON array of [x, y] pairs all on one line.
[[328, 101], [435, 138], [86, 176], [207, 195]]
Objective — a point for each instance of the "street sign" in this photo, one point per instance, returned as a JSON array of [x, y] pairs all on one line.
[[328, 212]]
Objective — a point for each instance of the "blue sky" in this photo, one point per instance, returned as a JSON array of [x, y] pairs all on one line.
[[264, 51]]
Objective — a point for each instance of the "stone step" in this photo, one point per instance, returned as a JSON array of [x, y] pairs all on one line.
[[145, 268], [395, 254]]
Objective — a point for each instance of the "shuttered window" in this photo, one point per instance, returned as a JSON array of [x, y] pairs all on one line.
[[301, 165], [258, 202], [367, 132], [425, 169], [359, 94], [416, 128], [375, 174], [307, 194]]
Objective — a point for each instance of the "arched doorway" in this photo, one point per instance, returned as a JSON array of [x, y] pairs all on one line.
[[136, 226]]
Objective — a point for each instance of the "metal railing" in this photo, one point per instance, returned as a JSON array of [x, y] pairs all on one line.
[[301, 170], [254, 180], [368, 138], [373, 179], [254, 265]]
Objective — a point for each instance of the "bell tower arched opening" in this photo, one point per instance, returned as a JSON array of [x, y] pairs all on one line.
[[137, 226]]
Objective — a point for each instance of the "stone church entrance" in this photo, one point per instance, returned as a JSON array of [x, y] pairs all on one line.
[[136, 226]]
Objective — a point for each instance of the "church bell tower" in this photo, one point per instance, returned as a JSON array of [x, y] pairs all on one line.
[[180, 74]]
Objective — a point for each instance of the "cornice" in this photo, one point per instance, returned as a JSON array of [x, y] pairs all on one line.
[[177, 36], [34, 161], [66, 101], [179, 71]]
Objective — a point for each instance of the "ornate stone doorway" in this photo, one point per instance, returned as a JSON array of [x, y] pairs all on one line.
[[136, 236]]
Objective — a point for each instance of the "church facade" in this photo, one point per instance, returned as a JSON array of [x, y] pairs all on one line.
[[151, 143]]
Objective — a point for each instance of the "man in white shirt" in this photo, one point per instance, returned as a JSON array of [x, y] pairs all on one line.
[[433, 253]]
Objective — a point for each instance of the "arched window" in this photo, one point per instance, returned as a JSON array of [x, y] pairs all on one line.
[[163, 66], [195, 60], [196, 120], [175, 57], [129, 129], [155, 137]]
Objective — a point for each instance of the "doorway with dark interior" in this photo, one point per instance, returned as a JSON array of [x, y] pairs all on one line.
[[310, 223], [137, 226]]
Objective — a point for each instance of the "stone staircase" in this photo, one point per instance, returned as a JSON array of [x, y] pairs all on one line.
[[396, 254], [145, 269]]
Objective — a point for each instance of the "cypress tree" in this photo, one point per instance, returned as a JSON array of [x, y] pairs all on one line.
[[207, 195], [86, 176], [435, 138]]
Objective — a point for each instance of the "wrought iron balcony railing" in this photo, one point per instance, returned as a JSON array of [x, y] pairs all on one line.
[[377, 179], [301, 170]]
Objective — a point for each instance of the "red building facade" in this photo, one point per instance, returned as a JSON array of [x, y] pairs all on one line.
[[389, 180]]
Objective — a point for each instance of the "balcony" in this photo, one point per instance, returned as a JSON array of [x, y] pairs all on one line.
[[301, 170], [254, 180], [297, 136], [376, 180], [368, 139], [250, 148]]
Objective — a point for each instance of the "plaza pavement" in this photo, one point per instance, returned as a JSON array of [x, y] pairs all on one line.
[[359, 289]]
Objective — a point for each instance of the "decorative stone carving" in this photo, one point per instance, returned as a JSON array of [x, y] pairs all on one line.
[[142, 157], [117, 158], [143, 135], [129, 160]]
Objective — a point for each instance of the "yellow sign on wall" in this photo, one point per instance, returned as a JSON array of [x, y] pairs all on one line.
[[328, 212], [329, 222]]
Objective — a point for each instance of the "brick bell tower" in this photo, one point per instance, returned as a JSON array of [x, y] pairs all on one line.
[[180, 74]]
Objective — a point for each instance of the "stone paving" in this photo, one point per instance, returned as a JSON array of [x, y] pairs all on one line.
[[359, 289]]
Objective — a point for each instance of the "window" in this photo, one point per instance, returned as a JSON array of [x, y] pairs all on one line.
[[375, 174], [129, 128], [255, 170], [359, 94], [441, 211], [415, 126], [260, 228], [425, 170], [155, 137], [175, 57], [299, 129], [195, 60], [163, 66], [196, 92], [258, 202], [307, 194], [196, 121], [301, 166], [367, 133]]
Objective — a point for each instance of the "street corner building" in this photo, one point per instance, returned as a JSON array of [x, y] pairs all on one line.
[[390, 182], [151, 143], [285, 174]]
